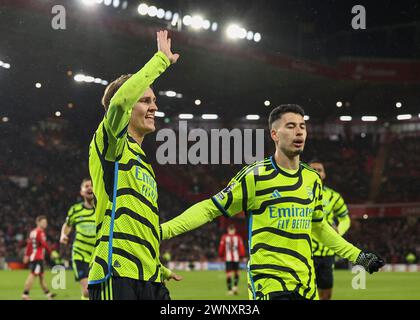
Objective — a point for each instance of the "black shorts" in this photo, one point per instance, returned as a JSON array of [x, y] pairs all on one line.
[[232, 266], [80, 269], [37, 267], [118, 288], [324, 267]]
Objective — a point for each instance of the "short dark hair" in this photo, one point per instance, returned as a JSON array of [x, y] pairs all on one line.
[[316, 160], [278, 112], [84, 180], [112, 88], [39, 218]]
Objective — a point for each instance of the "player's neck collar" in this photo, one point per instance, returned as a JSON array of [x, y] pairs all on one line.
[[283, 171]]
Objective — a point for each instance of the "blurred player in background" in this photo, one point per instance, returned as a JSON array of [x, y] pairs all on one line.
[[125, 263], [81, 217], [231, 249], [282, 198], [337, 215], [35, 255]]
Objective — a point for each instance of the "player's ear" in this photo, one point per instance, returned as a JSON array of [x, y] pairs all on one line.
[[273, 134]]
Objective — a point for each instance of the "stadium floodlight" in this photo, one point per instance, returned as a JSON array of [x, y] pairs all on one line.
[[365, 216], [88, 2], [5, 119], [369, 118], [306, 117], [107, 2], [197, 22], [187, 20], [208, 116], [179, 95], [170, 93], [79, 77], [124, 5], [252, 117], [250, 35], [57, 113], [267, 103], [143, 9], [99, 1], [398, 104], [339, 104], [345, 118], [116, 3], [197, 102], [186, 116], [104, 82], [6, 65], [206, 24], [242, 33], [159, 114], [38, 85], [232, 31], [168, 15], [404, 117], [152, 11], [160, 13], [89, 79], [214, 26], [257, 37]]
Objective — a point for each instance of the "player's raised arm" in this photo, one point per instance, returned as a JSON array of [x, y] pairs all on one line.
[[119, 104]]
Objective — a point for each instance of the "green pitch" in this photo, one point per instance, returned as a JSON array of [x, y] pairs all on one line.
[[210, 285]]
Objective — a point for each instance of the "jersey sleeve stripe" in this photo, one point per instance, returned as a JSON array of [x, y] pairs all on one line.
[[345, 213], [219, 206], [229, 201], [244, 195]]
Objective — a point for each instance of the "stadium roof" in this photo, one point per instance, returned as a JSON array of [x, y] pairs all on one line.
[[308, 55]]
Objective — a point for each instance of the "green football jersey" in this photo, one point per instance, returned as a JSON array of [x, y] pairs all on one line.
[[82, 219], [127, 216], [281, 206], [284, 209], [336, 214]]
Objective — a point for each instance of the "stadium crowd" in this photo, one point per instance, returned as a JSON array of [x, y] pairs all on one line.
[[42, 169]]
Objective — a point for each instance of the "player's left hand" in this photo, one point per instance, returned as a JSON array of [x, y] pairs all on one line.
[[164, 45], [25, 259], [175, 276], [370, 261]]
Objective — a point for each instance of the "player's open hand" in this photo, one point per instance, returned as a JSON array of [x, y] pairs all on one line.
[[25, 259], [175, 276], [164, 45]]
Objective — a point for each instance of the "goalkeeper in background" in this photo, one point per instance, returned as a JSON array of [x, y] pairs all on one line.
[[81, 217], [282, 199], [337, 215]]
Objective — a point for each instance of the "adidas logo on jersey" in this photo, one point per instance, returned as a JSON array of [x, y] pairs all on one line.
[[276, 194]]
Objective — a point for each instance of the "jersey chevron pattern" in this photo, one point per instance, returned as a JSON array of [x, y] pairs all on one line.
[[281, 206], [335, 210], [82, 219], [127, 217]]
